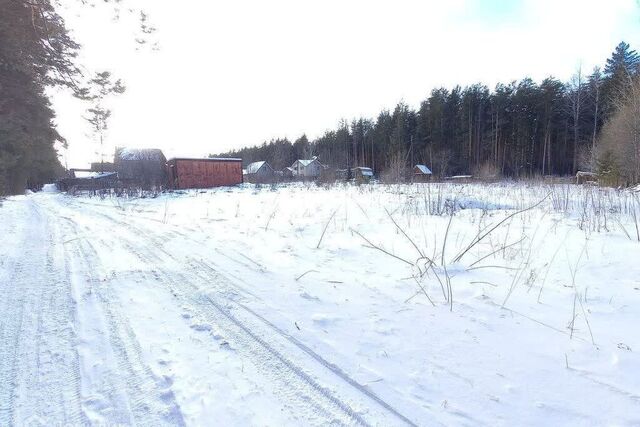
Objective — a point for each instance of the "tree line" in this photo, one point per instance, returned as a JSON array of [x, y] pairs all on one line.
[[36, 52], [518, 129]]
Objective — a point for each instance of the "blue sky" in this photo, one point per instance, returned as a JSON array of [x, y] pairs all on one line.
[[289, 66], [495, 11]]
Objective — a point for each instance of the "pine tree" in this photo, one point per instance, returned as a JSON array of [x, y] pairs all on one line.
[[619, 72], [624, 61], [35, 52]]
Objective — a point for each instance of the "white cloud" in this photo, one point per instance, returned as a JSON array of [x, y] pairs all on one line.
[[236, 73]]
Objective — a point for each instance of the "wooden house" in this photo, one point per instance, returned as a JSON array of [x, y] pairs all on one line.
[[421, 173], [362, 175], [260, 172], [143, 168], [307, 169]]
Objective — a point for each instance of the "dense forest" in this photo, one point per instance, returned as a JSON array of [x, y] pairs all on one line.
[[518, 129], [36, 52]]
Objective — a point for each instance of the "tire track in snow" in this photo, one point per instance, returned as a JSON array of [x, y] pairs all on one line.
[[232, 289], [296, 388], [293, 384], [217, 278], [148, 254], [10, 327], [39, 378], [56, 367], [148, 400]]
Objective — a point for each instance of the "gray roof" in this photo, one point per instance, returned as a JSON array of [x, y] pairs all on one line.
[[365, 171], [140, 154], [307, 162], [423, 169], [256, 166]]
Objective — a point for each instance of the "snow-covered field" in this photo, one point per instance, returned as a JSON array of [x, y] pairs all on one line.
[[430, 304]]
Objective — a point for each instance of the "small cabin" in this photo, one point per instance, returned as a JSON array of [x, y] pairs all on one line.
[[421, 173], [141, 167], [260, 172], [586, 177], [362, 175]]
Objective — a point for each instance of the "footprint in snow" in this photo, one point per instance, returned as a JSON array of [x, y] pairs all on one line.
[[201, 327]]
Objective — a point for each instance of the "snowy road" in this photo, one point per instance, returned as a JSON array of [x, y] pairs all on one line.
[[102, 324]]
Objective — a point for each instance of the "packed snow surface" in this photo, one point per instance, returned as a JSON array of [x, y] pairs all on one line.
[[431, 304]]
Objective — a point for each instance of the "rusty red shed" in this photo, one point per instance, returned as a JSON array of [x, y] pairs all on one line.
[[204, 173]]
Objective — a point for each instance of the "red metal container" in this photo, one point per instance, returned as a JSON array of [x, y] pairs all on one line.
[[204, 173]]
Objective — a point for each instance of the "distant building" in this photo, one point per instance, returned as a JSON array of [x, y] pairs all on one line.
[[421, 173], [187, 173], [260, 172], [141, 167], [362, 175], [307, 169], [85, 179], [103, 167], [586, 177]]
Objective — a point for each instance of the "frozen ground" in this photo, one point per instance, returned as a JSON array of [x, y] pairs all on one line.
[[305, 305]]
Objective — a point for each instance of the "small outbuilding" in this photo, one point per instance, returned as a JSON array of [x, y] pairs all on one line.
[[84, 179], [260, 172], [103, 167], [185, 173], [362, 175], [583, 177], [421, 173], [141, 167], [288, 173]]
